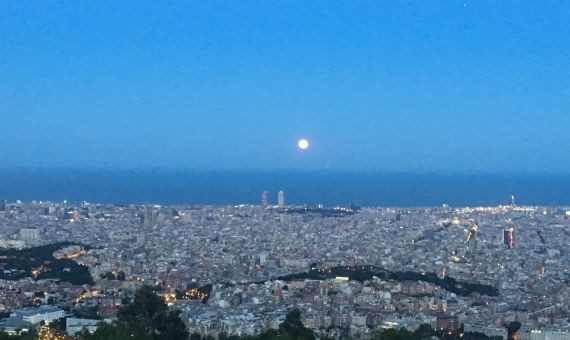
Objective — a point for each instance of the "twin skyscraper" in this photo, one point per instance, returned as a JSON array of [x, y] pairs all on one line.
[[280, 199]]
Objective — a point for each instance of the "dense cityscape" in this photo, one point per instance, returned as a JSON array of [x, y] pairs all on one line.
[[238, 270], [284, 170]]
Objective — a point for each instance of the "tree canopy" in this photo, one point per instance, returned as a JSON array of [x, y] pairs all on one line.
[[146, 318], [425, 332]]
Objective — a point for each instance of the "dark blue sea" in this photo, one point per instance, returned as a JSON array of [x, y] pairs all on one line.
[[300, 187]]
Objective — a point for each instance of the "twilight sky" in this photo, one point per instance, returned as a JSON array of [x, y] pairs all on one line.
[[425, 85]]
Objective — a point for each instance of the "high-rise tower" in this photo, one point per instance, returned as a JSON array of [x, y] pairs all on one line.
[[281, 199], [509, 237], [264, 198]]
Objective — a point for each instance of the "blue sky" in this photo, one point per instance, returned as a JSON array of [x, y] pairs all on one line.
[[374, 85]]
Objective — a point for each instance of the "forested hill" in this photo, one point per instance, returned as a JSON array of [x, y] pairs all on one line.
[[39, 263], [363, 273]]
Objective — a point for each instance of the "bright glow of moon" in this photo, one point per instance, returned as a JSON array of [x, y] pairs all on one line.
[[303, 144]]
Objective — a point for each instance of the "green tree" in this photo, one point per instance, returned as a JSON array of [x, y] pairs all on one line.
[[396, 334], [197, 336], [31, 335], [150, 317], [512, 329], [479, 336], [424, 332], [292, 326], [117, 331], [147, 318]]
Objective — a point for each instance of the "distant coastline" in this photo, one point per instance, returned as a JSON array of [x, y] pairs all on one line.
[[228, 187]]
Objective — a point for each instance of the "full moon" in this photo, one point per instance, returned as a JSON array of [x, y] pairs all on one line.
[[303, 144]]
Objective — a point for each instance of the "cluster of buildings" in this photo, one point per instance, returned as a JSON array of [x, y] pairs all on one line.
[[243, 251]]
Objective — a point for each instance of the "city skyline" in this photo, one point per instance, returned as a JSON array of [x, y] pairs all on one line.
[[238, 270], [302, 187], [284, 170]]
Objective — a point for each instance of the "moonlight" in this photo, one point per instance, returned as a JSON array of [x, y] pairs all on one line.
[[303, 144]]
